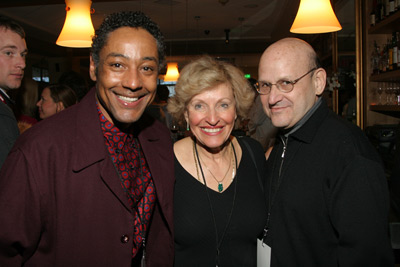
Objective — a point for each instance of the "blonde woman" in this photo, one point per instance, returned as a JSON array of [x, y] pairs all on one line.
[[219, 206]]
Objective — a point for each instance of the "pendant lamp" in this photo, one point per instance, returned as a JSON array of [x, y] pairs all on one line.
[[172, 74], [78, 27], [315, 16]]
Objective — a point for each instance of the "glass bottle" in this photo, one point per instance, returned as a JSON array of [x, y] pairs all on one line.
[[389, 55], [381, 11], [395, 51], [391, 7], [375, 59], [398, 46], [373, 13]]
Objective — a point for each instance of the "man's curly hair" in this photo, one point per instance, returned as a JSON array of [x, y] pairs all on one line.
[[126, 19]]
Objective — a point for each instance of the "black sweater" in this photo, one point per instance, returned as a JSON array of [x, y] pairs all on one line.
[[195, 240]]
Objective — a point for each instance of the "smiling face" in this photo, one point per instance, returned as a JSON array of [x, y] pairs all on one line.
[[211, 116], [126, 78], [12, 59], [288, 60]]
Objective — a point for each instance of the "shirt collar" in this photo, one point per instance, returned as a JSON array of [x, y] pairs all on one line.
[[305, 118], [4, 92], [108, 128], [4, 97]]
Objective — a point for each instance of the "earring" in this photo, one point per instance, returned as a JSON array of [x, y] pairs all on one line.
[[187, 126]]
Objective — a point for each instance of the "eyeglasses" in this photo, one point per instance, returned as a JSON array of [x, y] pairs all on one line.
[[264, 88]]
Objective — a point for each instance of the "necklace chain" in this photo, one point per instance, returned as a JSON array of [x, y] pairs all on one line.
[[220, 183], [197, 162]]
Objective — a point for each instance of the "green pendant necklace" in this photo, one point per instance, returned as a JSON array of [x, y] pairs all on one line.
[[220, 183], [218, 241]]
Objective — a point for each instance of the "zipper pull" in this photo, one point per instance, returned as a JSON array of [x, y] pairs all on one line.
[[283, 154], [284, 147]]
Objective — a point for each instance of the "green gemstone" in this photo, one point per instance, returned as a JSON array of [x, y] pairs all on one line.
[[220, 187]]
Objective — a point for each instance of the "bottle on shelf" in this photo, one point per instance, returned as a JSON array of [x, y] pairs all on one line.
[[387, 8], [380, 14], [394, 50], [398, 47], [373, 13], [391, 7], [375, 59], [383, 59], [389, 55]]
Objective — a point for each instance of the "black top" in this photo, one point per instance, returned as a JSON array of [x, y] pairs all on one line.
[[195, 241], [8, 131], [329, 206]]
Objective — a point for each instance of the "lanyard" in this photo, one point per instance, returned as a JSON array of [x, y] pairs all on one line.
[[271, 199], [218, 241]]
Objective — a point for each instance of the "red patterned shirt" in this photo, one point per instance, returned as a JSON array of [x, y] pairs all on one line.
[[135, 177]]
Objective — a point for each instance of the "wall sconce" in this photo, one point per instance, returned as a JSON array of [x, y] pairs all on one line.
[[315, 16], [172, 74], [227, 35], [78, 27]]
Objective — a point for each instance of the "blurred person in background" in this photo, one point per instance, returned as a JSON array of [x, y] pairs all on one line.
[[259, 125], [76, 82], [25, 108], [55, 98], [158, 108]]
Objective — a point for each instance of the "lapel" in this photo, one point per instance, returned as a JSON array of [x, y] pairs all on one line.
[[157, 148], [89, 147], [152, 149]]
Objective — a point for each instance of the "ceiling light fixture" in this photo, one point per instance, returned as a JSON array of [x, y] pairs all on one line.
[[315, 16], [172, 74], [78, 27]]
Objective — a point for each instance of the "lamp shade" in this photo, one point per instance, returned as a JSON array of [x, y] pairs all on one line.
[[172, 74], [315, 16], [78, 27]]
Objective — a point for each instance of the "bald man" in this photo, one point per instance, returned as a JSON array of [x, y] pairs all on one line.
[[327, 191]]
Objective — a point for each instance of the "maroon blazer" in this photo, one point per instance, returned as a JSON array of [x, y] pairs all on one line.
[[61, 201]]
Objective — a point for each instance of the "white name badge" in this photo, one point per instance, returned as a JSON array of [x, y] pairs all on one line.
[[263, 254]]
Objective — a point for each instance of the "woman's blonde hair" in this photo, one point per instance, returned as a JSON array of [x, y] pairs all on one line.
[[204, 74]]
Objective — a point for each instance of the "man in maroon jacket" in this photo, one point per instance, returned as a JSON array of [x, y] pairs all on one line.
[[93, 185]]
